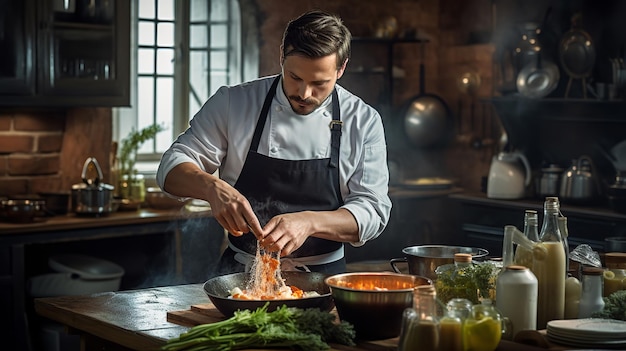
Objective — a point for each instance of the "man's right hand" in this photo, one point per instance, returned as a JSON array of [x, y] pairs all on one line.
[[229, 207]]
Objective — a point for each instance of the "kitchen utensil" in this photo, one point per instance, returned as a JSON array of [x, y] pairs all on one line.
[[619, 152], [577, 54], [549, 181], [92, 197], [579, 182], [538, 79], [374, 301], [427, 117], [218, 289], [424, 259], [509, 175]]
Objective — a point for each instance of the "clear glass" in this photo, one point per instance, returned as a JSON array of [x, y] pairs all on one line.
[[198, 37], [147, 8], [166, 9], [524, 256], [165, 61], [420, 324], [198, 10], [145, 33]]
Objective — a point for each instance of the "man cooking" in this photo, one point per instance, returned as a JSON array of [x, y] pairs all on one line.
[[302, 162]]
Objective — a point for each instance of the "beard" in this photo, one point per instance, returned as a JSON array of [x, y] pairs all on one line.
[[303, 106]]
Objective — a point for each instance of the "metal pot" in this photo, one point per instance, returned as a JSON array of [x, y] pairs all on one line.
[[92, 197], [578, 183], [615, 244], [423, 260], [219, 288], [548, 183]]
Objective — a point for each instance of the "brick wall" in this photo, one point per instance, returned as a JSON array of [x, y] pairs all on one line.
[[44, 150]]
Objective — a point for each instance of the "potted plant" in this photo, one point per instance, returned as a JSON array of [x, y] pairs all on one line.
[[129, 184]]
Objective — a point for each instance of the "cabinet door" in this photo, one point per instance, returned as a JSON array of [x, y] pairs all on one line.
[[85, 56], [17, 39]]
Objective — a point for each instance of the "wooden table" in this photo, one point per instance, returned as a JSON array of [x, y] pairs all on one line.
[[138, 319], [145, 319]]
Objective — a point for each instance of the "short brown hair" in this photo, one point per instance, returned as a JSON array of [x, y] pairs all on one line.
[[317, 34]]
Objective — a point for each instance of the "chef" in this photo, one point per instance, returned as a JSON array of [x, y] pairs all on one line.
[[302, 161]]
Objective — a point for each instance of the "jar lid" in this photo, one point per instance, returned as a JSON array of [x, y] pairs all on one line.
[[516, 268], [615, 260], [462, 257], [592, 271]]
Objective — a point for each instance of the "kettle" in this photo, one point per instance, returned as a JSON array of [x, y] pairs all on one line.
[[509, 175], [578, 183]]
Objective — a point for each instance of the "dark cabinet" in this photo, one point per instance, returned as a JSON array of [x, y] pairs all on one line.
[[52, 56]]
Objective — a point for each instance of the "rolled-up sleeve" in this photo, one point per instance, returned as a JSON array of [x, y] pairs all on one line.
[[367, 194]]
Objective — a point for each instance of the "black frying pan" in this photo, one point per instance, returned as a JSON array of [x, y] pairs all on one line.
[[218, 289]]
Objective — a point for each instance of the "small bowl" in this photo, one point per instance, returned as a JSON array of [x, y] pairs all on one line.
[[22, 211], [156, 198], [374, 301]]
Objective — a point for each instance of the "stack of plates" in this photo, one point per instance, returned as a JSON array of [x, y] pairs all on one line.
[[588, 332]]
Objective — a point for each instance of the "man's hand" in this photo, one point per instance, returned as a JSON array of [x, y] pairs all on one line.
[[232, 210], [287, 232]]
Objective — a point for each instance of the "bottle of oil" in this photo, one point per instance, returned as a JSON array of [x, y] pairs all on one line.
[[550, 268]]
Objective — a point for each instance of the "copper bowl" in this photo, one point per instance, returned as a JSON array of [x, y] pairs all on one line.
[[374, 301]]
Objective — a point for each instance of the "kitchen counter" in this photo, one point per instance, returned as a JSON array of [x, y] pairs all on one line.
[[72, 221], [138, 320]]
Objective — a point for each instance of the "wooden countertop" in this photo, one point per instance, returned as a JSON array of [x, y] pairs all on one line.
[[140, 319], [73, 221]]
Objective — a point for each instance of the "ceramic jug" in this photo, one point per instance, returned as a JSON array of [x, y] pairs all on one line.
[[509, 175]]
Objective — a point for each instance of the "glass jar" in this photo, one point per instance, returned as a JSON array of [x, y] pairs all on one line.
[[420, 324], [483, 329], [615, 276], [457, 280]]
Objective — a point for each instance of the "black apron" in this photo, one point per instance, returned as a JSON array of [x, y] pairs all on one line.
[[275, 186]]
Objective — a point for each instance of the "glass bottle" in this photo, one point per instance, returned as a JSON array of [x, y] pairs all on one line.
[[591, 298], [420, 324], [451, 324], [524, 256], [564, 234], [549, 268]]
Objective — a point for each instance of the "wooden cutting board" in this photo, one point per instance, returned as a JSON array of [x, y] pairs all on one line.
[[207, 313]]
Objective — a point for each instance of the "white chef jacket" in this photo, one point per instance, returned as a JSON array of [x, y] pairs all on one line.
[[220, 134]]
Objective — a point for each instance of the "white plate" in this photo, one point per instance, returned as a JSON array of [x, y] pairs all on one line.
[[621, 344], [590, 327]]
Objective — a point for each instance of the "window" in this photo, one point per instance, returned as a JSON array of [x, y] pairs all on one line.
[[183, 51]]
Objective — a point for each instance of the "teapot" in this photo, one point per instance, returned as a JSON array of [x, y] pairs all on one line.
[[579, 183], [509, 175]]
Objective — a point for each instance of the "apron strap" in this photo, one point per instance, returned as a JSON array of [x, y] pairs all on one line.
[[335, 141], [256, 138]]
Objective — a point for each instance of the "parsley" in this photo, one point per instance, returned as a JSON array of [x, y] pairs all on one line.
[[301, 329]]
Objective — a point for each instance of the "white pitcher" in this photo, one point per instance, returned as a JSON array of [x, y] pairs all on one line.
[[509, 175]]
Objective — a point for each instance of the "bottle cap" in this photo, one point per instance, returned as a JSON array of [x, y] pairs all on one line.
[[462, 257], [592, 271]]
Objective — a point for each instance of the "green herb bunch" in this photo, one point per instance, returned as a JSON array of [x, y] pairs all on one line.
[[614, 306], [131, 144], [302, 329]]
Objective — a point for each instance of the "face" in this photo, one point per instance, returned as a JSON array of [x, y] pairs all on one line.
[[307, 82]]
